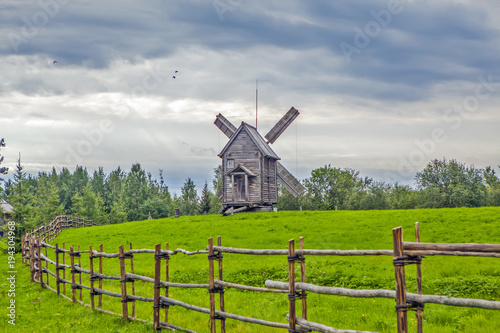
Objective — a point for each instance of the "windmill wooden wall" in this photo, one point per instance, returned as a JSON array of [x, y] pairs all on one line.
[[249, 150]]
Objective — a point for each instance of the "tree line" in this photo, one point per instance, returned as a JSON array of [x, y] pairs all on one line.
[[441, 184]]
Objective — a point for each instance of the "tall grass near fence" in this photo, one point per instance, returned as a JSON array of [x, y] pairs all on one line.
[[467, 277]]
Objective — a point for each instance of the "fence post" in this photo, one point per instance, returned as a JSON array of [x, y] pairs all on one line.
[[221, 289], [100, 279], [167, 279], [40, 269], [58, 287], [291, 284], [124, 284], [133, 286], [156, 307], [47, 266], [72, 260], [211, 283], [399, 269], [91, 268], [64, 270], [32, 259], [303, 280], [79, 272], [419, 314]]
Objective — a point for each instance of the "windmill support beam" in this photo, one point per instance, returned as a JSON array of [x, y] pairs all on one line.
[[246, 187], [233, 188]]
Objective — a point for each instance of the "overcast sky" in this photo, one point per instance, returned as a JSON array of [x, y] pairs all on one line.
[[383, 87]]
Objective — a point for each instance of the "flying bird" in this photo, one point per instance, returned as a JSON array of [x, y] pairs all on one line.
[[173, 77], [55, 62], [176, 71]]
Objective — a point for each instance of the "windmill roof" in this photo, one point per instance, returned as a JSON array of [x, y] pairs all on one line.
[[243, 168], [255, 137]]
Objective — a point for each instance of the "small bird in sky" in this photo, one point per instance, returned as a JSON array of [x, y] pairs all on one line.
[[173, 77], [176, 71], [55, 62]]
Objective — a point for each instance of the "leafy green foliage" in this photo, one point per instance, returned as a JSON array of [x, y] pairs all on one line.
[[189, 198], [446, 183]]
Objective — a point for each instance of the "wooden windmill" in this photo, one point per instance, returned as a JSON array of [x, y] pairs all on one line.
[[250, 168]]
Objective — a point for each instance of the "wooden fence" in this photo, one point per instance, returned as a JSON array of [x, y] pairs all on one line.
[[404, 253]]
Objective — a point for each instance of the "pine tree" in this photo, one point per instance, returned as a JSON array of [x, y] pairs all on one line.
[[21, 200], [89, 205], [189, 198], [46, 202], [205, 201], [117, 213], [135, 191]]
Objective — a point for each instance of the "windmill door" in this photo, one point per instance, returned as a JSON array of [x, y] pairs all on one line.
[[241, 188]]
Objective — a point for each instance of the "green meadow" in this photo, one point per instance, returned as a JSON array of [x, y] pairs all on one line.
[[42, 311]]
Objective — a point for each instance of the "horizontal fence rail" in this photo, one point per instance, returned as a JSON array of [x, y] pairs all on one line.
[[403, 253]]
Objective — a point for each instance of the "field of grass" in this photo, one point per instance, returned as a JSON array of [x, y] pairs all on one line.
[[42, 311]]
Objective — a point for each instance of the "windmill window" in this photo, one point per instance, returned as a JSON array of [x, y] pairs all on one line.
[[230, 163]]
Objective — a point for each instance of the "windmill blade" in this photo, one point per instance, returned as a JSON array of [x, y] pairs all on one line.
[[282, 125], [224, 125], [289, 181]]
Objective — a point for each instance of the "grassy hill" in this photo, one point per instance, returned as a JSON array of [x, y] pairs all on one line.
[[450, 276]]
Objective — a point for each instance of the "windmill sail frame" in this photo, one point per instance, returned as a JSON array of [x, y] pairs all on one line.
[[282, 125]]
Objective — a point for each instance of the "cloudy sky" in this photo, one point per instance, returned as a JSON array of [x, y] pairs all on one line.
[[382, 86]]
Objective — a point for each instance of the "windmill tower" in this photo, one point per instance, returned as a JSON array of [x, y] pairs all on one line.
[[251, 169]]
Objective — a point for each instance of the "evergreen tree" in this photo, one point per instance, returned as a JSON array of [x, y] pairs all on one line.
[[135, 192], [46, 202], [65, 189], [21, 199], [205, 201], [97, 182], [114, 188], [118, 213], [89, 205], [189, 198]]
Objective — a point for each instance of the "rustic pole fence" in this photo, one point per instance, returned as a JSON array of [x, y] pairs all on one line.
[[404, 253]]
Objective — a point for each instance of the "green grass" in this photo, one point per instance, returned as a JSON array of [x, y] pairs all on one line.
[[42, 311]]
